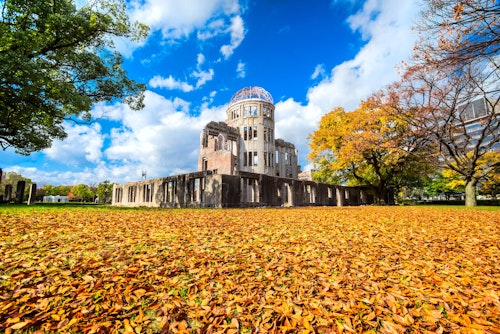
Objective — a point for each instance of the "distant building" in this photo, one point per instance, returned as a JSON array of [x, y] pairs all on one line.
[[473, 118], [306, 175], [56, 199]]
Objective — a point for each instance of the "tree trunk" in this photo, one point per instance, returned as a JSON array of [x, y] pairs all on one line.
[[470, 193]]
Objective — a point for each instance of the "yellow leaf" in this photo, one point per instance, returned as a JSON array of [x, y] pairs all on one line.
[[88, 278], [13, 320], [183, 325], [306, 324], [235, 323], [128, 328], [20, 325], [139, 292], [370, 316]]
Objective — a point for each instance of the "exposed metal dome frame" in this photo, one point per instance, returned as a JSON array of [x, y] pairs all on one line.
[[253, 92]]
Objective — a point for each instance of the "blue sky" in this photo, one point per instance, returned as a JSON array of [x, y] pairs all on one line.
[[312, 56]]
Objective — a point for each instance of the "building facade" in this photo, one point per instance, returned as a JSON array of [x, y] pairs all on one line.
[[246, 141], [478, 121], [207, 189]]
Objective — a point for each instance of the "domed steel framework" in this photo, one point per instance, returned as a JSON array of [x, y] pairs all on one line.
[[253, 92]]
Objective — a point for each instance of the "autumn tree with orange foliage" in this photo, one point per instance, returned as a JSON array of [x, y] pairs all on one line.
[[454, 74], [369, 147]]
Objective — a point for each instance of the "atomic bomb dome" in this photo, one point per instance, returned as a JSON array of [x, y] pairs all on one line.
[[245, 142], [241, 164], [253, 92]]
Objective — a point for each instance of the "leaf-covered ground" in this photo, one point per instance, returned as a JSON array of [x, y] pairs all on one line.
[[300, 270]]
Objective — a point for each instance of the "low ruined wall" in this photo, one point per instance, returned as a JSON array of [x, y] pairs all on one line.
[[207, 189]]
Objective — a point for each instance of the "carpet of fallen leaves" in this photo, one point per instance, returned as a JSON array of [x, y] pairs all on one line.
[[299, 270]]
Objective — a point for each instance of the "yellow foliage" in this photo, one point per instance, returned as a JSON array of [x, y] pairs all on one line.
[[369, 143]]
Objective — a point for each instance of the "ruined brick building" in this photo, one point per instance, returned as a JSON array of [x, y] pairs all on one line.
[[241, 164], [246, 142]]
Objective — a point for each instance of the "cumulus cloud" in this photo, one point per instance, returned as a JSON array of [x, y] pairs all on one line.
[[87, 138], [200, 59], [179, 18], [170, 83], [385, 25], [160, 139], [203, 77]]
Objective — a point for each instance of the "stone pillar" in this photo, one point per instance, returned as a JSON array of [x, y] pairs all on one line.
[[31, 198], [20, 192], [8, 192], [389, 200], [340, 194], [363, 197]]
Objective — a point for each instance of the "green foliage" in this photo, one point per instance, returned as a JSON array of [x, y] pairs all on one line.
[[50, 190], [446, 182], [56, 62], [82, 192], [105, 191], [13, 178]]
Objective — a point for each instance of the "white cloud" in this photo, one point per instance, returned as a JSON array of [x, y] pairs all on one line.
[[237, 30], [319, 71], [386, 27], [200, 59], [83, 144], [170, 83], [179, 18], [240, 70], [212, 29], [203, 77], [161, 139]]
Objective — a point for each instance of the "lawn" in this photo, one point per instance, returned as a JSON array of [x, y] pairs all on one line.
[[297, 270]]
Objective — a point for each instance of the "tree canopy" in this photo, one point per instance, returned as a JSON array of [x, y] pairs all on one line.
[[105, 191], [82, 192], [462, 31], [56, 62], [367, 146]]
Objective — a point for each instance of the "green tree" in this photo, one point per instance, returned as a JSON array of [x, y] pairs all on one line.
[[105, 191], [82, 192], [445, 182], [56, 62], [50, 190], [368, 147]]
